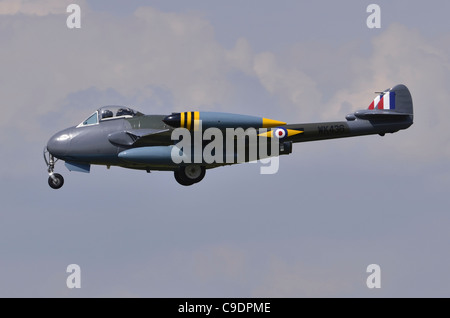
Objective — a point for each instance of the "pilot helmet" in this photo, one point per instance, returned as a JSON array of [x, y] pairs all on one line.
[[106, 113]]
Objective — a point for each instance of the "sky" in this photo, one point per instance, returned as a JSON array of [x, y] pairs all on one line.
[[310, 230]]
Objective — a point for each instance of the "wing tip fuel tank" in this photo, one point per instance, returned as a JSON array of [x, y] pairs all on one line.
[[191, 120]]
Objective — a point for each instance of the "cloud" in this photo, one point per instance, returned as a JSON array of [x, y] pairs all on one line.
[[35, 7], [296, 91], [53, 77], [320, 82], [241, 57], [220, 261], [141, 55], [299, 279], [403, 55], [135, 56]]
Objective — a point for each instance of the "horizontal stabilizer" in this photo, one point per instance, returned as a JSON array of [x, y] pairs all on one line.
[[380, 114]]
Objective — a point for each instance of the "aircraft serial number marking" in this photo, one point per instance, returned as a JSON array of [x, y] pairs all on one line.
[[332, 129]]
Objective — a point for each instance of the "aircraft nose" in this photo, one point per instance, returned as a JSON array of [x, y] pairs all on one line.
[[59, 143], [173, 120]]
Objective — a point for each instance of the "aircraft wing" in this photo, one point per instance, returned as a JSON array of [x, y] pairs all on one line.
[[133, 137]]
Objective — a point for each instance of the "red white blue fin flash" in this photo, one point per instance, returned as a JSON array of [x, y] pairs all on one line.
[[384, 101]]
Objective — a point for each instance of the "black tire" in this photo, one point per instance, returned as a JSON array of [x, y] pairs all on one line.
[[189, 175], [182, 181], [56, 183]]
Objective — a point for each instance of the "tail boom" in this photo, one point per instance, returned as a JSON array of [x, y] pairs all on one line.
[[390, 112]]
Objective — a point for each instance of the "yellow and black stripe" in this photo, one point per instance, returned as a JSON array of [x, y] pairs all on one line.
[[190, 120]]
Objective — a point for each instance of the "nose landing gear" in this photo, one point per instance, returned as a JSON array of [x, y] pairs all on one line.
[[55, 180]]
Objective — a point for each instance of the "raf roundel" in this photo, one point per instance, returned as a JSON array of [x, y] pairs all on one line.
[[280, 133]]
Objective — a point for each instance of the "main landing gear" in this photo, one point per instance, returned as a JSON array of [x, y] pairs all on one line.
[[188, 175], [55, 180]]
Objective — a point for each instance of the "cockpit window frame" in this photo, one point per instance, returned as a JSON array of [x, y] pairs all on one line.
[[114, 116], [83, 123], [114, 111]]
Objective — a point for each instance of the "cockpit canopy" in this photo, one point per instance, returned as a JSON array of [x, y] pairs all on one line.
[[108, 113]]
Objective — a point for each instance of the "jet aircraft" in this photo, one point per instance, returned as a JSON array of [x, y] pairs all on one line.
[[121, 136]]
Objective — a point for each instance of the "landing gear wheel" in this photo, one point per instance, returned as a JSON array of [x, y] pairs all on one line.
[[182, 181], [56, 181], [190, 174]]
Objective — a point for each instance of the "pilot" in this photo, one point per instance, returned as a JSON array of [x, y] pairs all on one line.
[[106, 113], [124, 112]]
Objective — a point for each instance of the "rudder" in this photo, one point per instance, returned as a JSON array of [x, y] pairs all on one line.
[[392, 104], [403, 100], [397, 98]]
